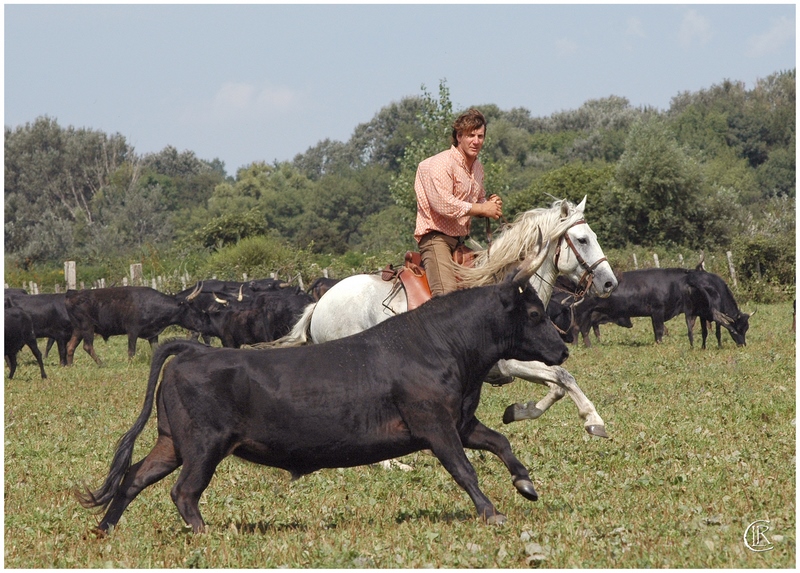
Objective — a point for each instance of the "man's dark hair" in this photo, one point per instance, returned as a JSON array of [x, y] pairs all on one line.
[[467, 122]]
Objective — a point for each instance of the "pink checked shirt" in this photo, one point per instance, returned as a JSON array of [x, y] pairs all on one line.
[[446, 190]]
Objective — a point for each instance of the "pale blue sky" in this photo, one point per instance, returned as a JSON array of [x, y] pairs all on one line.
[[262, 82]]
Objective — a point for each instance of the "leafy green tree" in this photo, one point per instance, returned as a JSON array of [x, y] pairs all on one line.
[[230, 228], [436, 118], [657, 188], [53, 174]]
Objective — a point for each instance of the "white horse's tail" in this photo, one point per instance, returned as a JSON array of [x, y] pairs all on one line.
[[299, 333]]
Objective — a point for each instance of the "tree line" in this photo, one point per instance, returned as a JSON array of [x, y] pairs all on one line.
[[714, 171]]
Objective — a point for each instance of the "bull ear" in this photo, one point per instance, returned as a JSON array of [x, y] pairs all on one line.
[[532, 263], [721, 318]]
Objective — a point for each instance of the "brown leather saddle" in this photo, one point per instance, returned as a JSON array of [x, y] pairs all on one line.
[[412, 276]]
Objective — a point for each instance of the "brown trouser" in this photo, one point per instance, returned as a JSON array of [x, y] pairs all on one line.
[[436, 251]]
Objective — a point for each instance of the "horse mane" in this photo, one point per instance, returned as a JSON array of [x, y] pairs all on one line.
[[515, 241]]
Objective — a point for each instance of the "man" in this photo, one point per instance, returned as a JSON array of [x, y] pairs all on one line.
[[449, 188]]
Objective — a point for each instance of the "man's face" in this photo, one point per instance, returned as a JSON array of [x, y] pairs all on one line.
[[471, 142]]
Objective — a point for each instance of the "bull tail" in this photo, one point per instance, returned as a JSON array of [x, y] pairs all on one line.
[[299, 333], [121, 462]]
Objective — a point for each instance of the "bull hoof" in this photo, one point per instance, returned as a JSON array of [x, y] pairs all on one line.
[[525, 489], [496, 519], [597, 430]]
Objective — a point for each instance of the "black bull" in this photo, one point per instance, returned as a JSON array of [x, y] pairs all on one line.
[[410, 383]]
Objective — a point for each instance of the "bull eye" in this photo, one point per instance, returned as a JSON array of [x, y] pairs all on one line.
[[534, 315]]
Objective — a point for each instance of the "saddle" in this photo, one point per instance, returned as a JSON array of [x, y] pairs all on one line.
[[412, 276]]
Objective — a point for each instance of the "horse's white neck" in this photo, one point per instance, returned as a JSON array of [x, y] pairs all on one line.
[[544, 279]]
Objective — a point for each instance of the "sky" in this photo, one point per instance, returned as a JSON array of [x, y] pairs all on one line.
[[265, 82]]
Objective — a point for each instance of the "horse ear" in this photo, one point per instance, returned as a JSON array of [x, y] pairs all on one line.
[[582, 205]]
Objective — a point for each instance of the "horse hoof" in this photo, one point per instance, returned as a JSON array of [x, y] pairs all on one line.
[[508, 415], [525, 489], [496, 519], [597, 430]]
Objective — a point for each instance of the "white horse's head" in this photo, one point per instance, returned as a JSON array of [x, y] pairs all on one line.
[[574, 251], [578, 255]]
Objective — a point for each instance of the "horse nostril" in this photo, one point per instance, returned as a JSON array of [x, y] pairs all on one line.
[[609, 286]]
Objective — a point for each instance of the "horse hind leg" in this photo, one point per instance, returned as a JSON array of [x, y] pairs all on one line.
[[162, 460]]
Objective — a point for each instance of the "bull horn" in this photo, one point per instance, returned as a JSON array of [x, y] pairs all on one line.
[[701, 266], [721, 318], [532, 263], [197, 289], [239, 298], [220, 300]]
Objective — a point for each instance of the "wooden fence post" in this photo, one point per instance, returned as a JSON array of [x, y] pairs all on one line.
[[731, 270], [70, 274], [136, 274], [635, 262], [655, 260]]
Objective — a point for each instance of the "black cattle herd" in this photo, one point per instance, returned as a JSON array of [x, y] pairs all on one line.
[[386, 396], [660, 294]]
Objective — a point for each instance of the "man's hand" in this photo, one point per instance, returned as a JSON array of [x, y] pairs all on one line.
[[492, 208]]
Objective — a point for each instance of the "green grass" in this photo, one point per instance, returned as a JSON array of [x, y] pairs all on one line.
[[702, 444]]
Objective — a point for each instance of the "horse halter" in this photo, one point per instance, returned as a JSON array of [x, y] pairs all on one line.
[[588, 274]]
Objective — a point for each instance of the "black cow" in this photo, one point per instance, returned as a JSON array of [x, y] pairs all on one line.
[[559, 309], [50, 320], [405, 385], [320, 286], [712, 300], [236, 326], [241, 290], [19, 333], [261, 317], [663, 294], [138, 312], [565, 309]]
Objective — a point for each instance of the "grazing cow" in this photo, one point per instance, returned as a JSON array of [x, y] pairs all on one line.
[[138, 312], [50, 320], [663, 294], [19, 333], [410, 383], [712, 300]]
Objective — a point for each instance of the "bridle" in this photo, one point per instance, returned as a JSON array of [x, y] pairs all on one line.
[[585, 282]]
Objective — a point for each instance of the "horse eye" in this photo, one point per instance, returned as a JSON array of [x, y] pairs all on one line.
[[582, 241]]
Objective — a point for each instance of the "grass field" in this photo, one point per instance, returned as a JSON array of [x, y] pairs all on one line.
[[702, 444]]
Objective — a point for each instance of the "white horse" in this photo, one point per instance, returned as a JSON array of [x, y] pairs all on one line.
[[361, 301]]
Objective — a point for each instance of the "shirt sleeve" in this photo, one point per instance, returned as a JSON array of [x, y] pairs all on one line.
[[437, 183]]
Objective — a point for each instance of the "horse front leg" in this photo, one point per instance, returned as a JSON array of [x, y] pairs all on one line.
[[559, 382]]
